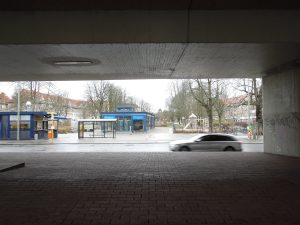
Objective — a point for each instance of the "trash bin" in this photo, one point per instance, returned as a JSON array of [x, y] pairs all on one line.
[[36, 136], [50, 135]]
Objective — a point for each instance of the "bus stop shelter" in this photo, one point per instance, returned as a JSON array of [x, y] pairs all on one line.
[[97, 128]]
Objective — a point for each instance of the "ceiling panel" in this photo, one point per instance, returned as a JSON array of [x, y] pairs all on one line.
[[143, 61]]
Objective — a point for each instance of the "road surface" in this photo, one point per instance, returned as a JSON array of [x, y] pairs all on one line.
[[141, 147]]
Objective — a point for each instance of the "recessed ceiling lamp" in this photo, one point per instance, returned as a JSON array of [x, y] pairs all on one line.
[[70, 61]]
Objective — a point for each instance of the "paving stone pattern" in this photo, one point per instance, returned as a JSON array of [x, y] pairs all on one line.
[[150, 188]]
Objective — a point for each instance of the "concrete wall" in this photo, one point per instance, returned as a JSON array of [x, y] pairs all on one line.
[[281, 106]]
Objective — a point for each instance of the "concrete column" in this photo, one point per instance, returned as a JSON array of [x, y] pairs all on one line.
[[281, 111]]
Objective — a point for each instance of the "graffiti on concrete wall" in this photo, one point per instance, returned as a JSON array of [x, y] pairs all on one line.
[[287, 120], [279, 130]]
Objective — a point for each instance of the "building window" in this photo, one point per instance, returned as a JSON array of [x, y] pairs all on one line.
[[25, 123]]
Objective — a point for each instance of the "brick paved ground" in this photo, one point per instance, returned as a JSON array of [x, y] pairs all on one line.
[[150, 188]]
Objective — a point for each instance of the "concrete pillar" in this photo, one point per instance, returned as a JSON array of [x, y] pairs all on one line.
[[281, 111]]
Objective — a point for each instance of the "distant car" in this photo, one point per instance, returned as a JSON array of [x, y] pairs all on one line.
[[207, 142]]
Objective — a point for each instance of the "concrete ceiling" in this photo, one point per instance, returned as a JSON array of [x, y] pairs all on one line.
[[146, 39], [143, 61], [46, 5]]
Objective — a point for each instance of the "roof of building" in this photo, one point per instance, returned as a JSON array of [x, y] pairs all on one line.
[[24, 113], [126, 113], [237, 100], [73, 102]]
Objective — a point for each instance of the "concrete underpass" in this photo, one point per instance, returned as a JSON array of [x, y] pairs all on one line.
[[157, 40]]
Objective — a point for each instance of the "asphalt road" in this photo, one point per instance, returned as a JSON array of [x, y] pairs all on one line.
[[149, 147]]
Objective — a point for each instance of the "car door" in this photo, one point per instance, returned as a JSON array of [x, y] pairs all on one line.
[[205, 143], [197, 145], [220, 142]]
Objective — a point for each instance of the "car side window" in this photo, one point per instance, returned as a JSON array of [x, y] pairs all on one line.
[[221, 138], [224, 138], [208, 138]]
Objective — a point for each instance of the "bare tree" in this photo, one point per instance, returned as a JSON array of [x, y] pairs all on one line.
[[202, 90], [219, 104], [162, 117], [36, 87], [115, 97], [87, 110], [257, 89], [131, 101], [144, 106], [97, 96], [180, 101], [31, 91], [253, 88], [138, 104], [60, 103]]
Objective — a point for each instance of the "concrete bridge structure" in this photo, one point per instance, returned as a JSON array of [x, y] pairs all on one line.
[[123, 39]]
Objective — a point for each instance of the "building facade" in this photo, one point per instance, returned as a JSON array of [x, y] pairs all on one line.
[[238, 110], [130, 120]]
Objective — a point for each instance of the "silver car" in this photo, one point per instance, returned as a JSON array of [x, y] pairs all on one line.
[[208, 142]]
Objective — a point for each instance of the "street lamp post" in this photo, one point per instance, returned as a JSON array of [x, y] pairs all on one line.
[[18, 113]]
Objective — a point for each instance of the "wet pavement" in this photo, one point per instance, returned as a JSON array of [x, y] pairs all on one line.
[[107, 147], [155, 188]]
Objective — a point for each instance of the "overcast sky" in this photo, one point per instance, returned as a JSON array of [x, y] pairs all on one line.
[[154, 92]]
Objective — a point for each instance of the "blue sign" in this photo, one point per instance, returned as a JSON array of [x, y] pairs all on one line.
[[109, 117], [137, 117]]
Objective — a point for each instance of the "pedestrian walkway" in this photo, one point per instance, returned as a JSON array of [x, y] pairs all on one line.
[[150, 188], [157, 135]]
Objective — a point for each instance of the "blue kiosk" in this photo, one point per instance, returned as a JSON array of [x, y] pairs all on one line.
[[130, 120], [31, 123]]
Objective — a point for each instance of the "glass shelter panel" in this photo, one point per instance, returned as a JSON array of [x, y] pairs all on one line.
[[97, 128]]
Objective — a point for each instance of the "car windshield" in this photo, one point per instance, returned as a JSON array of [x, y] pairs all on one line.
[[196, 137]]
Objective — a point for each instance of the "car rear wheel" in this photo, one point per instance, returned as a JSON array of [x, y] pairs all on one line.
[[184, 149], [229, 149]]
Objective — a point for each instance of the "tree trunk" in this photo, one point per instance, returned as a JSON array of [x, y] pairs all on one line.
[[259, 119], [258, 107], [210, 105], [210, 119]]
